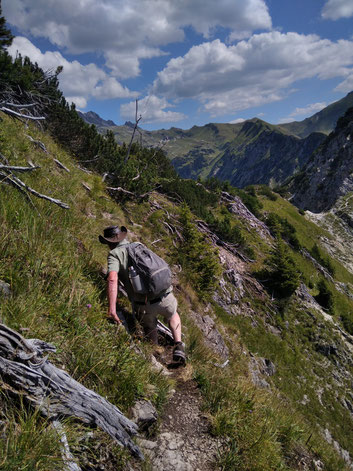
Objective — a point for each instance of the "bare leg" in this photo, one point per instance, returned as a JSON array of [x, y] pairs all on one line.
[[175, 327]]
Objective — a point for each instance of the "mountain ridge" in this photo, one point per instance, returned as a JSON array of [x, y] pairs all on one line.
[[232, 151]]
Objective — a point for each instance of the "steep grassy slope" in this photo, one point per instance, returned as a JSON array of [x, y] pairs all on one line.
[[52, 260], [324, 121]]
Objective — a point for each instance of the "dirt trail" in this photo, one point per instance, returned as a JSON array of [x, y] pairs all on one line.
[[183, 442]]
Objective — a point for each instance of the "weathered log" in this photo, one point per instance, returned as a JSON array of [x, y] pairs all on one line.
[[10, 112], [61, 165], [86, 187], [16, 182], [37, 143], [25, 371], [13, 105], [15, 168]]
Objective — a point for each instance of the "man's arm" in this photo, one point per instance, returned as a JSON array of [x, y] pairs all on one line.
[[112, 291]]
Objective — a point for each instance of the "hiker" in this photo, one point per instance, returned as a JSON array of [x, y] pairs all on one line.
[[146, 310]]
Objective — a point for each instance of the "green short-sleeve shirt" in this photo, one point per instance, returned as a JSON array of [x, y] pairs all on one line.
[[118, 261]]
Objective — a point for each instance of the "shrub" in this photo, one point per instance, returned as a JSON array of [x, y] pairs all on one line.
[[279, 225], [325, 296], [197, 257], [324, 261], [281, 273]]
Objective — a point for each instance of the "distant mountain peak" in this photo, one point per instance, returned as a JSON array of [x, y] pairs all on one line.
[[93, 118]]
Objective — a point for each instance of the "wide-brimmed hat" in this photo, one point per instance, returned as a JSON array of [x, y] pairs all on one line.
[[111, 233]]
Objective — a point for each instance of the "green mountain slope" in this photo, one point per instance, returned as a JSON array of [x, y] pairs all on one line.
[[324, 121], [267, 312], [260, 153], [272, 417], [243, 153]]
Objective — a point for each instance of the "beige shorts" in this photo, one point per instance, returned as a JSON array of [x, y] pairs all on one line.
[[148, 313]]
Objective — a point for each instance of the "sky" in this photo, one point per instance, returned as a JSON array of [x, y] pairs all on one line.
[[191, 62]]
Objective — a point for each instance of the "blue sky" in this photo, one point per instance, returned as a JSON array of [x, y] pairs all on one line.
[[191, 61]]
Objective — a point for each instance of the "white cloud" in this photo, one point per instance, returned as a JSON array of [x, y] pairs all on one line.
[[126, 31], [237, 121], [347, 84], [307, 111], [253, 72], [78, 82], [335, 9], [79, 101], [152, 109]]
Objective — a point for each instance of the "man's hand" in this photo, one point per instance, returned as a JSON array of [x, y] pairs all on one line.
[[113, 318]]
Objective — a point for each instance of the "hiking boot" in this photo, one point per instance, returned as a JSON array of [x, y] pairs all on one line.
[[179, 353]]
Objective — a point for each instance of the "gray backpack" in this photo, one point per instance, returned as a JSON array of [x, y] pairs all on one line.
[[154, 272]]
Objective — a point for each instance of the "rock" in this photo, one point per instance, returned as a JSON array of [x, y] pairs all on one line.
[[237, 207], [260, 367], [318, 465], [213, 338], [344, 453], [147, 444], [144, 414], [274, 330], [159, 367], [328, 174], [5, 289], [305, 400]]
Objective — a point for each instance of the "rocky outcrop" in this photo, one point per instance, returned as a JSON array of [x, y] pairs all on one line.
[[260, 368], [344, 453], [329, 173], [212, 337], [237, 207]]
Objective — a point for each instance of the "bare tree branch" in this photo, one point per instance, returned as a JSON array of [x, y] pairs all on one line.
[[59, 164], [137, 120], [21, 115], [14, 168], [37, 143], [16, 182]]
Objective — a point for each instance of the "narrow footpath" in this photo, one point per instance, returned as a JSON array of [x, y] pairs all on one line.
[[184, 442]]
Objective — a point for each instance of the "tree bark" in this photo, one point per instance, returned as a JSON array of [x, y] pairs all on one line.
[[25, 371]]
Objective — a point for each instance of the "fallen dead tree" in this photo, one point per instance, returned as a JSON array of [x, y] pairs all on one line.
[[203, 227], [24, 370], [7, 177]]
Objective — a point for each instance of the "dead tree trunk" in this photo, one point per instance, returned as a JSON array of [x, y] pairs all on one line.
[[137, 120], [25, 371]]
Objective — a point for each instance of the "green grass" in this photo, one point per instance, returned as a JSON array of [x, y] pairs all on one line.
[[52, 260], [28, 442]]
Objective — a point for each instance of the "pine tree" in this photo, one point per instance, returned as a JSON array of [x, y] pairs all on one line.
[[283, 275], [5, 34], [197, 257]]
